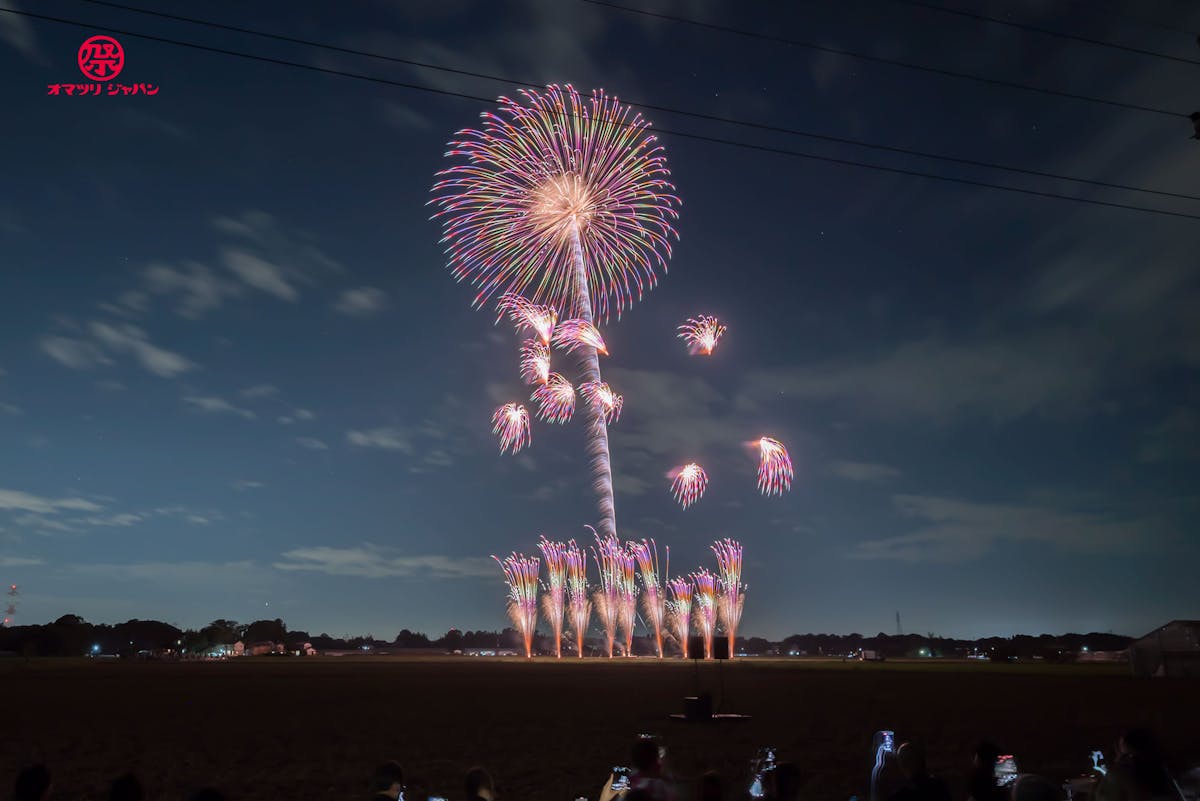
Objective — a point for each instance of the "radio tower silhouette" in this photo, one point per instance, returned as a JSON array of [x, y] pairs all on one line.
[[899, 630]]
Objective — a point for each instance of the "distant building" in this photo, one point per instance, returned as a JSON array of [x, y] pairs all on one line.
[[264, 647], [1172, 650]]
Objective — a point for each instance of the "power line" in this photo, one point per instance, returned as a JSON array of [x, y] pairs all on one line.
[[681, 134], [649, 106], [1022, 26], [1149, 23], [881, 60]]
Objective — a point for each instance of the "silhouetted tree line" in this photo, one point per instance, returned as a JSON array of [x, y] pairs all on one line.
[[71, 635]]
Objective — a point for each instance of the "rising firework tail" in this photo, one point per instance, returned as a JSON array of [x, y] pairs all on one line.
[[521, 575], [510, 422], [701, 334]]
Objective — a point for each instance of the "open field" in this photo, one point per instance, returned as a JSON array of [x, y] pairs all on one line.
[[314, 728]]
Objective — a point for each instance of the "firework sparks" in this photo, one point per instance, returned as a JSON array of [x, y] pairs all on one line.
[[521, 574], [555, 399], [774, 467], [627, 595], [688, 483], [732, 598], [511, 423], [646, 554], [554, 554], [535, 362], [600, 395], [540, 174], [570, 335], [577, 593], [608, 554], [706, 607], [679, 610], [527, 314], [701, 334]]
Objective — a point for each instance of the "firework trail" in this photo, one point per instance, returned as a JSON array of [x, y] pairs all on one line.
[[573, 335], [627, 593], [521, 573], [601, 395], [555, 399], [525, 314], [511, 423], [554, 554], [706, 607], [565, 201], [577, 592], [732, 598], [701, 334], [535, 362], [774, 467], [646, 554], [608, 554], [679, 610], [10, 609], [688, 483]]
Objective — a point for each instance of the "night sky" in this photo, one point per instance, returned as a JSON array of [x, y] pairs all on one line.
[[237, 379]]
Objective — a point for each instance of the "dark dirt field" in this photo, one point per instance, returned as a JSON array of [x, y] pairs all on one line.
[[263, 728]]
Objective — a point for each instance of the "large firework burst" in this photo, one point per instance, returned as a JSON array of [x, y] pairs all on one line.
[[521, 574], [564, 201]]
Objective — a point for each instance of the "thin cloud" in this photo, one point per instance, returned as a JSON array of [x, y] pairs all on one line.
[[130, 339], [260, 391], [863, 471], [17, 500], [215, 405], [363, 301], [371, 561], [390, 438], [76, 354], [20, 561], [312, 443]]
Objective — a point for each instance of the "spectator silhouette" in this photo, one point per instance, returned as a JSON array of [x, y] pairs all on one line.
[[32, 784], [480, 786], [981, 781], [1139, 772], [784, 782], [387, 781], [416, 790], [126, 788], [919, 784], [648, 772]]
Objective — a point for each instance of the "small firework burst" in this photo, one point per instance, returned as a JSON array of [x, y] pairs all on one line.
[[571, 335], [511, 423], [600, 395], [774, 467], [535, 362], [555, 399], [701, 334], [688, 483], [527, 314]]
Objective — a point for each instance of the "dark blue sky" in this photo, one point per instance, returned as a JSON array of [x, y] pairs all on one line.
[[236, 379]]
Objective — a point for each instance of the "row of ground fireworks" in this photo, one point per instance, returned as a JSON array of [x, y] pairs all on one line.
[[673, 607]]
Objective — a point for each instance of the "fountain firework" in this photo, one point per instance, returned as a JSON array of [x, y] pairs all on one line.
[[627, 596], [731, 600], [554, 554], [706, 607], [577, 593], [608, 554], [679, 610], [646, 554], [521, 574]]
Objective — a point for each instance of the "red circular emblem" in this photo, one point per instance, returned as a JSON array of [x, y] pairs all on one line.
[[101, 58]]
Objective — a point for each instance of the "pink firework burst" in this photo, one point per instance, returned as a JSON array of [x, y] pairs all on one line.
[[578, 603], [521, 575], [571, 335], [554, 554], [646, 554], [544, 173], [774, 467], [729, 579], [555, 399], [600, 395], [688, 483], [535, 362], [701, 334], [524, 313], [511, 423], [679, 610], [706, 607]]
